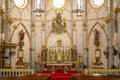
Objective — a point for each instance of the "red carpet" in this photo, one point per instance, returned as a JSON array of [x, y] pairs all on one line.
[[60, 75]]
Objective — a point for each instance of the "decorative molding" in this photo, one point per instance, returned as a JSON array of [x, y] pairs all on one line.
[[31, 49], [1, 12], [109, 19], [10, 20], [103, 26], [117, 10]]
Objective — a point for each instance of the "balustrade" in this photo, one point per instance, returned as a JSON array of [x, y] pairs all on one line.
[[15, 72]]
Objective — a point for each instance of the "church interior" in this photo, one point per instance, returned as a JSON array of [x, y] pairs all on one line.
[[70, 39]]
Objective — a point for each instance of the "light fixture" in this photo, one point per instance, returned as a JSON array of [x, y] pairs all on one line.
[[78, 10], [39, 10]]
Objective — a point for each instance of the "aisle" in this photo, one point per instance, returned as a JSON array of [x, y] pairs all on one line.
[[60, 76]]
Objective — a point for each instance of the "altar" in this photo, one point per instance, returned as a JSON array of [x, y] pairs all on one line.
[[59, 51], [64, 66]]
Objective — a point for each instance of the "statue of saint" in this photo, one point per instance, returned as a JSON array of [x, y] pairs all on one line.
[[96, 35], [21, 35], [96, 38]]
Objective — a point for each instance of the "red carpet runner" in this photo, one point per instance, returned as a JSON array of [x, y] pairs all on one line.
[[60, 75]]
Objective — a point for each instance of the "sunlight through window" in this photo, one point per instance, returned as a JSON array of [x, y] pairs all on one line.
[[58, 3]]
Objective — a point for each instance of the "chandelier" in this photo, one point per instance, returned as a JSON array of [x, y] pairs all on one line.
[[78, 10], [39, 10]]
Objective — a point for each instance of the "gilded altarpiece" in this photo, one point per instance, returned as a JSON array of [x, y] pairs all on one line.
[[59, 48]]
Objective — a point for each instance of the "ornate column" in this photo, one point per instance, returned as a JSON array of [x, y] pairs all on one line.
[[85, 49], [32, 49], [7, 23], [118, 19], [1, 14], [74, 35], [118, 23], [110, 28], [43, 35]]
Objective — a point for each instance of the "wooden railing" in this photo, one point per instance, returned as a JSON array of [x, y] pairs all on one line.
[[15, 72], [103, 71]]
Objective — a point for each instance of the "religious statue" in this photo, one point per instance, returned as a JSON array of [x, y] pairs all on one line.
[[74, 54], [59, 19], [21, 35], [58, 24], [44, 54], [96, 38]]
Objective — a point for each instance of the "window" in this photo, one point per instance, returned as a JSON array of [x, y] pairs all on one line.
[[96, 3], [58, 4], [20, 3]]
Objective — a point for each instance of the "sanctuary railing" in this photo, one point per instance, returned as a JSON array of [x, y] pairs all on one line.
[[15, 72], [102, 71]]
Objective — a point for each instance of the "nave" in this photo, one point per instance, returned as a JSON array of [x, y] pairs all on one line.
[[59, 39]]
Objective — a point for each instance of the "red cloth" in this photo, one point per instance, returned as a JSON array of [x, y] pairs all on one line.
[[60, 76]]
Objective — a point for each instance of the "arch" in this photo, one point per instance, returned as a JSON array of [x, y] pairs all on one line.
[[97, 23], [25, 31], [56, 33]]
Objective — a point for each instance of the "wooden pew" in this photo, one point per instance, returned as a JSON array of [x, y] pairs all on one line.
[[93, 77], [28, 77]]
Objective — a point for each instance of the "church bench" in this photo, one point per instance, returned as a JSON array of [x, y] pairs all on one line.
[[28, 77], [93, 77]]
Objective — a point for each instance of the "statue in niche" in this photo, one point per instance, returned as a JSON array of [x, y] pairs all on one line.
[[21, 35], [96, 38]]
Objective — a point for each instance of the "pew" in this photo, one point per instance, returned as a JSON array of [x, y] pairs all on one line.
[[28, 77], [93, 77]]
